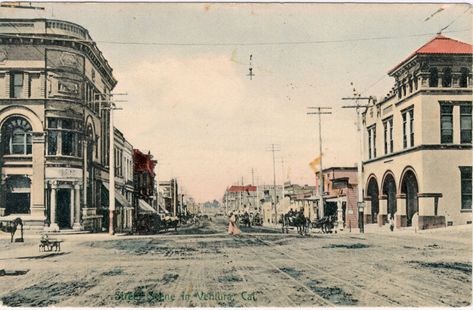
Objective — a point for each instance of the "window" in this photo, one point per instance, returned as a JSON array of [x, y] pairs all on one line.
[[411, 126], [465, 124], [447, 77], [16, 84], [408, 128], [404, 129], [372, 142], [446, 123], [52, 143], [16, 136], [464, 77], [433, 78], [466, 187], [64, 137], [388, 136]]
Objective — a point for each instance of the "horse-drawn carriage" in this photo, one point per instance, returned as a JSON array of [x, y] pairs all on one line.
[[325, 224], [302, 223], [249, 219], [156, 222]]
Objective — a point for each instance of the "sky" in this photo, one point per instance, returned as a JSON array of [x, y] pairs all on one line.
[[190, 102]]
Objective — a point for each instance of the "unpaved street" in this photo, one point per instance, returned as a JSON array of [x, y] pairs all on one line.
[[203, 266]]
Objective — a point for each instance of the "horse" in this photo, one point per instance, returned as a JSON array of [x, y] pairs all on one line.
[[14, 227], [326, 223], [245, 219], [300, 222]]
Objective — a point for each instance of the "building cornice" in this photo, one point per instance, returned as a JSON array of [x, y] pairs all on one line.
[[83, 43], [422, 147]]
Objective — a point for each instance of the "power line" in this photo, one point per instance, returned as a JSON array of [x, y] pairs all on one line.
[[275, 42]]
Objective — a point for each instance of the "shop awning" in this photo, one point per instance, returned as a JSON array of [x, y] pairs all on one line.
[[118, 197], [145, 207]]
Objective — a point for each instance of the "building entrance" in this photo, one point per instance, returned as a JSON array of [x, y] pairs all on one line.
[[373, 193], [389, 189], [64, 208], [410, 188]]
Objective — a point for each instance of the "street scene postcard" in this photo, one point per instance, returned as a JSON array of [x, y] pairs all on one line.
[[221, 155]]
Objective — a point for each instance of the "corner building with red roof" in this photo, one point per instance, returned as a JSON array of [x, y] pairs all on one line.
[[418, 140]]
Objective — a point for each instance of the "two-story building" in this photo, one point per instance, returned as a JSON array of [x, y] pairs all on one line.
[[54, 82], [418, 140]]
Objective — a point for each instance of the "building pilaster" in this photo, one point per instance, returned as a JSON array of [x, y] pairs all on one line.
[[37, 182]]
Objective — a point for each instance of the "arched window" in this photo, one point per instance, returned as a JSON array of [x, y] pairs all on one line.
[[16, 136], [464, 77], [434, 78], [447, 77]]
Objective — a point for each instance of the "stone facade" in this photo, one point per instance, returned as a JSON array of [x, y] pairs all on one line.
[[417, 161], [54, 82]]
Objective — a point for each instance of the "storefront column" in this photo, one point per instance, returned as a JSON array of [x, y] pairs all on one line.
[[2, 194], [383, 210], [37, 182], [340, 214], [76, 225], [400, 217], [53, 226], [71, 207]]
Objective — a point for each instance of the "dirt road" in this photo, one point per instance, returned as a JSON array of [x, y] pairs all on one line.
[[202, 266]]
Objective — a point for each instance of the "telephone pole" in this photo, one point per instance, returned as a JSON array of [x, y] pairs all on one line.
[[358, 107], [110, 106], [283, 178], [273, 149], [320, 111]]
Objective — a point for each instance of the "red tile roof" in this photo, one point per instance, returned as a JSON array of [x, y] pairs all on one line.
[[237, 189], [440, 45]]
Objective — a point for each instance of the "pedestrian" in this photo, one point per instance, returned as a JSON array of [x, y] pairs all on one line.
[[232, 226], [391, 223]]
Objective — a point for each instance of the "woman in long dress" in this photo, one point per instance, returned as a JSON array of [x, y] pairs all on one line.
[[232, 227]]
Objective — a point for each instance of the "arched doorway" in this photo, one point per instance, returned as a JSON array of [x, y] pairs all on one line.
[[373, 193], [389, 189], [410, 188], [17, 195]]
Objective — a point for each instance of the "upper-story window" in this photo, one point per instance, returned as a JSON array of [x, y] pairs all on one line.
[[64, 137], [465, 124], [408, 128], [464, 76], [388, 136], [446, 123], [372, 142], [433, 77], [447, 77], [466, 185], [16, 136], [16, 84]]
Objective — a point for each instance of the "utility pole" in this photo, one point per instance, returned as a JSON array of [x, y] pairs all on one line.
[[110, 106], [358, 107], [274, 149], [174, 209], [252, 176], [320, 111], [283, 178]]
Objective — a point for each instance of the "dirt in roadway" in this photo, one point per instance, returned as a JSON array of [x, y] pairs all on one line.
[[261, 267]]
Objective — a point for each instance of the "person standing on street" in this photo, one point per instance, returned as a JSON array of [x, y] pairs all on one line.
[[232, 227], [391, 223]]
